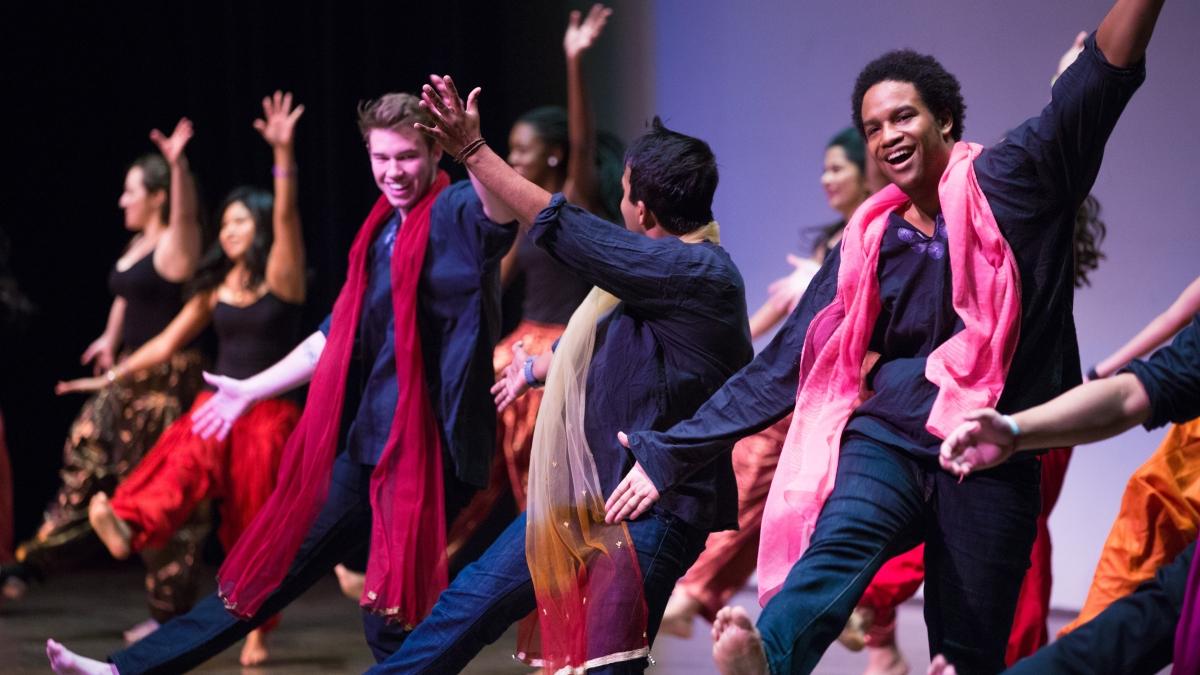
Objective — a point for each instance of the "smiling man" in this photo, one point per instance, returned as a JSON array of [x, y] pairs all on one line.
[[419, 306], [952, 286]]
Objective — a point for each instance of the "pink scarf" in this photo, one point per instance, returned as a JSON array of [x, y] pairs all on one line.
[[969, 368], [407, 567]]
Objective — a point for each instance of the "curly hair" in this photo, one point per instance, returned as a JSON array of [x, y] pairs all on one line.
[[1089, 235], [937, 87]]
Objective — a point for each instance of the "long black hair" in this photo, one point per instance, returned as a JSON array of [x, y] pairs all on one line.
[[215, 264], [550, 124]]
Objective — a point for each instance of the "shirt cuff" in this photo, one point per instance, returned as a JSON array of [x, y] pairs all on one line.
[[649, 454], [1158, 416], [547, 216]]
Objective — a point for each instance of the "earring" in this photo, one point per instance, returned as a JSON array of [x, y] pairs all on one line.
[[552, 161]]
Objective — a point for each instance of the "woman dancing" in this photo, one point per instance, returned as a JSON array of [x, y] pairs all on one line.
[[250, 287]]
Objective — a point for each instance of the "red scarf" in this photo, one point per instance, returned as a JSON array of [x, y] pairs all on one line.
[[407, 568]]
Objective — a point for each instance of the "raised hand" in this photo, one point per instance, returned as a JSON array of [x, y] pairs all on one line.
[[100, 354], [172, 146], [455, 125], [634, 495], [83, 384], [512, 384], [1070, 55], [582, 33], [983, 441], [217, 415], [278, 122]]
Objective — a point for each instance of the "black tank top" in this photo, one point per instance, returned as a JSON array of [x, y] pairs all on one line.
[[552, 291], [150, 300], [253, 337]]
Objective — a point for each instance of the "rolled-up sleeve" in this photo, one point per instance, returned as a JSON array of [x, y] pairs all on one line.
[[1171, 378]]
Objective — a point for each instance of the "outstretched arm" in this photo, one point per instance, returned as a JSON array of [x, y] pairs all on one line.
[[178, 250], [233, 397], [285, 262], [582, 186], [1159, 330], [1125, 32], [183, 329]]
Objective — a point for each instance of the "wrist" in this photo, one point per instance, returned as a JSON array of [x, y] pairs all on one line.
[[283, 170], [1014, 428], [469, 149], [531, 379]]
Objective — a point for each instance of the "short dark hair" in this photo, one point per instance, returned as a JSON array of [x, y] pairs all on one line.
[[937, 87], [391, 111], [675, 175]]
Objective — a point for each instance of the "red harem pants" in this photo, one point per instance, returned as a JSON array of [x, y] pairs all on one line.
[[182, 470], [900, 577]]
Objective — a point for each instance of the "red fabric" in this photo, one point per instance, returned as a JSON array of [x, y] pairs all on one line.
[[407, 566], [6, 501], [900, 577], [182, 470]]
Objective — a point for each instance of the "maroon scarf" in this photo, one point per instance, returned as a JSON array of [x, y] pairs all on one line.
[[407, 568]]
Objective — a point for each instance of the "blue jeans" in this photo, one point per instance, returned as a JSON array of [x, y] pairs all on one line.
[[341, 531], [495, 591], [978, 535], [1134, 635]]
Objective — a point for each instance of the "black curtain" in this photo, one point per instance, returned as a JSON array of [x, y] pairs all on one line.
[[83, 83]]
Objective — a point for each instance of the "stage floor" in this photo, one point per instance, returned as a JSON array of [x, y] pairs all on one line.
[[321, 632]]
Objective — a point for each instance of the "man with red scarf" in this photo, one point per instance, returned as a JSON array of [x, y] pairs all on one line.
[[417, 319], [861, 482]]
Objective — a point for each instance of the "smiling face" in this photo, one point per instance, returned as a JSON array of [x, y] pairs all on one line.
[[529, 154], [403, 164], [139, 204], [237, 231], [845, 186], [911, 146]]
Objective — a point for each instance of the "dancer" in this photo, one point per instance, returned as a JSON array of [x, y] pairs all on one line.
[[560, 151], [250, 287], [420, 441], [985, 236], [1160, 510], [118, 424], [729, 557], [664, 327], [1159, 622]]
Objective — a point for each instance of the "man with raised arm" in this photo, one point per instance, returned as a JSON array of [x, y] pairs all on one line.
[[418, 317], [952, 290]]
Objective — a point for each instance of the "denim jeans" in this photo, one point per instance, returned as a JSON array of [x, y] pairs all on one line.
[[340, 531], [977, 533], [496, 591], [1134, 635]]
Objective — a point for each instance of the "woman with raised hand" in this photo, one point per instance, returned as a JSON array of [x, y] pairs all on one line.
[[250, 287], [118, 424]]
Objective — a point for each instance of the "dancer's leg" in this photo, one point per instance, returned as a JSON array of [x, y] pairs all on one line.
[[873, 512], [342, 527], [1134, 635], [978, 536]]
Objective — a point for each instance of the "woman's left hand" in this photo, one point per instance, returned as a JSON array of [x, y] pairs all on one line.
[[455, 125]]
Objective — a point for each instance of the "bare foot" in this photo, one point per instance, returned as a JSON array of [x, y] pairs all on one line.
[[140, 631], [737, 646], [854, 635], [65, 662], [885, 661], [940, 667], [352, 582], [681, 611], [113, 531], [254, 652]]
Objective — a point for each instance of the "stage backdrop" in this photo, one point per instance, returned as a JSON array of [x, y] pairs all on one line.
[[767, 84]]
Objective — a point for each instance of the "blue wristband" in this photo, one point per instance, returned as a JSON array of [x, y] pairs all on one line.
[[530, 378]]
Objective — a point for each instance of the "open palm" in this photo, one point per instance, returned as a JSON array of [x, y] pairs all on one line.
[[278, 123], [582, 33]]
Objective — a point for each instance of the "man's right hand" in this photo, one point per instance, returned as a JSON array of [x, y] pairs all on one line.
[[217, 415]]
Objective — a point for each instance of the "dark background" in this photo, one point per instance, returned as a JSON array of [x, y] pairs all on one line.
[[84, 83]]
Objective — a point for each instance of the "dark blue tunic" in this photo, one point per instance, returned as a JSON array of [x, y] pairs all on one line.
[[1171, 377]]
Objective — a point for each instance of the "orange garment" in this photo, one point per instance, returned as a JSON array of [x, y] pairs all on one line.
[[1159, 515], [514, 437], [729, 557]]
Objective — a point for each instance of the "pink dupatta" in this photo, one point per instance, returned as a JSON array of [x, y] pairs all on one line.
[[969, 368]]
